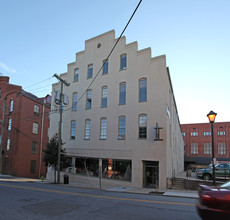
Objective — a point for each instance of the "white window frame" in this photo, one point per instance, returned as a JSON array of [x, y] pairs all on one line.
[[142, 126], [36, 109], [122, 93], [87, 129], [194, 148], [207, 148], [76, 75], [121, 128], [103, 128], [222, 148], [123, 61], [90, 71], [73, 130], [143, 90], [8, 144], [10, 124], [104, 96], [74, 104], [35, 128], [194, 133], [11, 105], [105, 70], [89, 95]]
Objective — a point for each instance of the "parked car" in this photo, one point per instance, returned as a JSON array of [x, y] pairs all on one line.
[[214, 202], [222, 171]]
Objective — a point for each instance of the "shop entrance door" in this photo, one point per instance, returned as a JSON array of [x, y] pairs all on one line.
[[151, 174]]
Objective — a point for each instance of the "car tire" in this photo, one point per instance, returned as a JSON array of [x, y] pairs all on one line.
[[207, 176]]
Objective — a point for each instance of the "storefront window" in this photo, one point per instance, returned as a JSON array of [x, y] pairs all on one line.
[[87, 166], [111, 168], [117, 169]]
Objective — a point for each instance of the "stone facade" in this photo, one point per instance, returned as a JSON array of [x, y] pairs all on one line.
[[118, 132]]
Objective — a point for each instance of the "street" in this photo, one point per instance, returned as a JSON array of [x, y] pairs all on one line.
[[36, 200]]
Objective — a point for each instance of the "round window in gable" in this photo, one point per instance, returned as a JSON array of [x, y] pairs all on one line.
[[98, 45]]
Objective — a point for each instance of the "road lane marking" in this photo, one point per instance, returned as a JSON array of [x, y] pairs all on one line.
[[96, 196]]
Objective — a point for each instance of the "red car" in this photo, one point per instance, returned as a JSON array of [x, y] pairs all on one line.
[[214, 202]]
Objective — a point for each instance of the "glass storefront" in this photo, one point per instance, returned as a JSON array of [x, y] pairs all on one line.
[[117, 169], [111, 168]]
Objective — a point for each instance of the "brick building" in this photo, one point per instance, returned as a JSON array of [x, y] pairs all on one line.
[[198, 142], [25, 130]]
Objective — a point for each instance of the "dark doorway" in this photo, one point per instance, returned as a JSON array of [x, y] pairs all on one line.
[[151, 174], [6, 165]]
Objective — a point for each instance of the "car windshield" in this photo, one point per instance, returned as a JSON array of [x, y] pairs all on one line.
[[226, 185]]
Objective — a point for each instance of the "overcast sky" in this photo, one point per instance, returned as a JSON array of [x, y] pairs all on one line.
[[39, 38]]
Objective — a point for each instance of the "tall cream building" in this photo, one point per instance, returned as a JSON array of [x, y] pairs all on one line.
[[121, 126]]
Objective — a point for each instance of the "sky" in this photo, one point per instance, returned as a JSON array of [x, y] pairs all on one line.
[[39, 38]]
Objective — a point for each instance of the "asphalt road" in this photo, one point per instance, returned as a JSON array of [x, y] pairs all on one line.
[[27, 200]]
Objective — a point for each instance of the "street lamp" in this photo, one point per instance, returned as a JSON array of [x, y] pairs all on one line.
[[211, 117]]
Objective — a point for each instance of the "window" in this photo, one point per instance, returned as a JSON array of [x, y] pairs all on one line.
[[8, 144], [122, 100], [74, 106], [103, 131], [117, 169], [194, 148], [89, 99], [207, 148], [104, 96], [221, 133], [221, 148], [90, 71], [33, 166], [35, 128], [10, 124], [87, 129], [34, 148], [121, 127], [183, 134], [11, 105], [143, 90], [36, 110], [194, 133], [73, 130], [105, 67], [123, 62], [142, 126], [207, 133], [76, 75]]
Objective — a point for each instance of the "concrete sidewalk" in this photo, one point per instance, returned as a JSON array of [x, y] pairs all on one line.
[[137, 190]]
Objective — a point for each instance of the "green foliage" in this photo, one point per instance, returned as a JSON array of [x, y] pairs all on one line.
[[51, 154]]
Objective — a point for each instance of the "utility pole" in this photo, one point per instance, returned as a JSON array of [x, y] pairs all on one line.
[[60, 124]]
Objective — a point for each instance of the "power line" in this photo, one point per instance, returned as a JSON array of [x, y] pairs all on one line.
[[38, 83], [39, 87]]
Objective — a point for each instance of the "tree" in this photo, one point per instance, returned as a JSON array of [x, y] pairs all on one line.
[[51, 155]]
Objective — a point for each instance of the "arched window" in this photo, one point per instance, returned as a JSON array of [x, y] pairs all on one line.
[[122, 98], [121, 127]]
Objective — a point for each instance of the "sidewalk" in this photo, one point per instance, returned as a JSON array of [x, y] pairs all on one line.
[[137, 190]]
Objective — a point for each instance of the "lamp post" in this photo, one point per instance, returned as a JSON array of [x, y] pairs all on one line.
[[211, 117]]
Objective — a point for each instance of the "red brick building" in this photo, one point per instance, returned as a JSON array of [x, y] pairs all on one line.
[[198, 142], [23, 130]]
